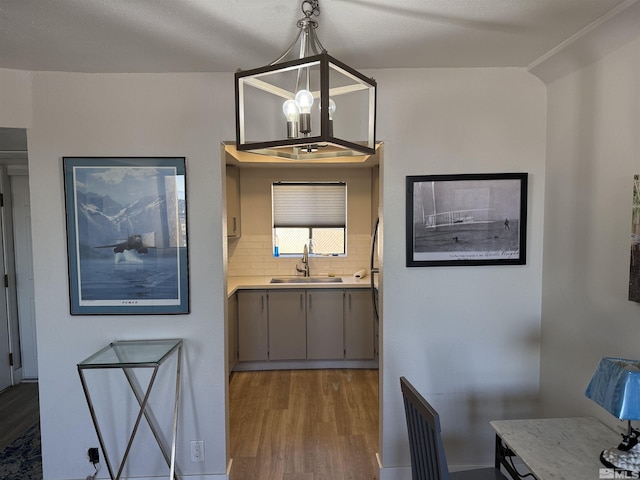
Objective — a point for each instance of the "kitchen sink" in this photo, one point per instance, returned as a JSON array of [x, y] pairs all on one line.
[[306, 280]]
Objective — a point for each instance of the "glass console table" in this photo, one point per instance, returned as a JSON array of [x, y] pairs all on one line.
[[129, 355]]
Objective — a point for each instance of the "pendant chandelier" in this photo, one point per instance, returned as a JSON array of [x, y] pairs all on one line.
[[306, 104]]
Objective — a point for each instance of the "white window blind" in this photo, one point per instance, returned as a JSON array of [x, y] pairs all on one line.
[[310, 205]]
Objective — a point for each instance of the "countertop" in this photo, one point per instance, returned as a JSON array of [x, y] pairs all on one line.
[[558, 448], [256, 283]]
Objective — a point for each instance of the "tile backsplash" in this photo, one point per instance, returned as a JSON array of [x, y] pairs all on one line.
[[252, 255]]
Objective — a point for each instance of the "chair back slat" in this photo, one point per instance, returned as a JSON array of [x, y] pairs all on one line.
[[428, 460]]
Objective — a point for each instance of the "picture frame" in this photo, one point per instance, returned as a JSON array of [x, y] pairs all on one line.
[[127, 235], [466, 219], [634, 253]]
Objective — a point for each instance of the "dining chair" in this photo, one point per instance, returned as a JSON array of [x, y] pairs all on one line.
[[428, 460]]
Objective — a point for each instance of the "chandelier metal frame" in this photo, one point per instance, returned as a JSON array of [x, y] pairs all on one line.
[[312, 65]]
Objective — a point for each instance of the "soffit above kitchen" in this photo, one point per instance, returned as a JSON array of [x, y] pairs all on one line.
[[233, 156], [157, 36]]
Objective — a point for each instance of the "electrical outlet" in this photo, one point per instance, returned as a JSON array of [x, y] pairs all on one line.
[[197, 451], [94, 455]]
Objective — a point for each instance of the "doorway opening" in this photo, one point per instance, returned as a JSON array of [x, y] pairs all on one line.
[[17, 314], [275, 415]]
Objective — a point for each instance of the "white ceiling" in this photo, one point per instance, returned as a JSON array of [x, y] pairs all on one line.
[[224, 35]]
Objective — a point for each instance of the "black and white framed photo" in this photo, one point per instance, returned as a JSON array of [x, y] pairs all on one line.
[[466, 219], [127, 235]]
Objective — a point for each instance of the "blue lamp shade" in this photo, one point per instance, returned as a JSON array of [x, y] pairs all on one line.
[[615, 386]]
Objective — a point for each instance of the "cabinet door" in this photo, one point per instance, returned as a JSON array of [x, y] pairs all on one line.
[[325, 324], [233, 201], [287, 328], [232, 331], [358, 325], [252, 325]]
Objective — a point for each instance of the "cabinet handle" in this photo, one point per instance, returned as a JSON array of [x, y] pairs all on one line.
[[301, 302], [309, 301], [349, 301], [262, 302], [234, 225]]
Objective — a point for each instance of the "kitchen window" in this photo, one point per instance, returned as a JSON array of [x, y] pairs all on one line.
[[312, 214]]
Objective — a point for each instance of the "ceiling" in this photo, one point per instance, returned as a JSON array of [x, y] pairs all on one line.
[[224, 35], [158, 36]]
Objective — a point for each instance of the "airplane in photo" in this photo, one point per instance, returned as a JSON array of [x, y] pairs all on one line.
[[133, 242]]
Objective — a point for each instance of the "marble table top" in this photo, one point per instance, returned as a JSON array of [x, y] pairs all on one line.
[[558, 448]]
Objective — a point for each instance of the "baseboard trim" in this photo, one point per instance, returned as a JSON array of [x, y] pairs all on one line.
[[212, 476], [304, 365], [395, 473]]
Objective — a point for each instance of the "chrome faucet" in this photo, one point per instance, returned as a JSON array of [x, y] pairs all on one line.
[[305, 262]]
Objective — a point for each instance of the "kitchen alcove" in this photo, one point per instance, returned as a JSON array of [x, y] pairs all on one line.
[[249, 242]]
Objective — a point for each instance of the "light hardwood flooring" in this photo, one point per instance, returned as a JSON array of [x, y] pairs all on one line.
[[304, 425], [19, 410]]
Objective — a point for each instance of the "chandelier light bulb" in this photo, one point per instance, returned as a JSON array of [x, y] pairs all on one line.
[[291, 110], [304, 100], [332, 108]]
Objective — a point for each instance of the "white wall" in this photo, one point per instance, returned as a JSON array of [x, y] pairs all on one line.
[[466, 337], [15, 98], [593, 152], [129, 115], [252, 254]]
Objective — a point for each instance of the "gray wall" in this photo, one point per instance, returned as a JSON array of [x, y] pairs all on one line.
[[129, 115], [592, 155], [468, 338]]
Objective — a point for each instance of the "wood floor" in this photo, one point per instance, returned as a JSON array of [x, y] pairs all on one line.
[[285, 425], [304, 425], [19, 410]]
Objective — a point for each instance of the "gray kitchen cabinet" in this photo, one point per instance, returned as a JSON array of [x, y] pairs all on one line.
[[287, 326], [232, 332], [233, 201], [358, 325], [325, 337], [253, 325]]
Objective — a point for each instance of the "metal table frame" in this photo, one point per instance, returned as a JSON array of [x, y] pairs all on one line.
[[128, 355]]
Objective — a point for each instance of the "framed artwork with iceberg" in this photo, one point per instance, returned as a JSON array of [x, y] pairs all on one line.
[[127, 235]]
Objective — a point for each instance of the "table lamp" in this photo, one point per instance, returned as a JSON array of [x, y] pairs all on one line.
[[615, 386]]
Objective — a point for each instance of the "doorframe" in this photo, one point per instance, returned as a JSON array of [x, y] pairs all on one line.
[[11, 163], [25, 315], [9, 327]]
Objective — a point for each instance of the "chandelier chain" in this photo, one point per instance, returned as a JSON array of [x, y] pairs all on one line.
[[310, 8]]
